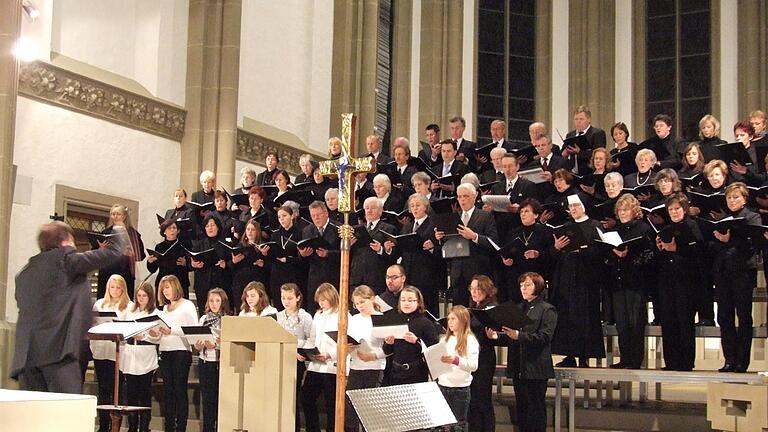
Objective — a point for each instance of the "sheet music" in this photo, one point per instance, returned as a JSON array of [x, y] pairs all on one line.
[[125, 329], [383, 306], [499, 203], [398, 331], [535, 175], [432, 355]]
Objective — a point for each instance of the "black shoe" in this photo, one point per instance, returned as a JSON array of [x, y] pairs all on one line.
[[583, 362], [728, 367], [618, 365], [705, 323], [567, 362], [669, 368], [740, 368]]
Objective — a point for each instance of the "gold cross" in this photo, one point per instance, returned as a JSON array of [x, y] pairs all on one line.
[[346, 166]]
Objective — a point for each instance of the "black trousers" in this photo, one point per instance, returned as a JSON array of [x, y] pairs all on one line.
[[138, 389], [482, 417], [174, 367], [458, 401], [704, 302], [301, 369], [60, 377], [105, 378], [359, 379], [734, 299], [209, 394], [316, 383], [531, 404], [677, 317], [631, 317]]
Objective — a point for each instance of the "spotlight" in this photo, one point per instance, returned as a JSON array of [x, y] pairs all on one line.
[[25, 50]]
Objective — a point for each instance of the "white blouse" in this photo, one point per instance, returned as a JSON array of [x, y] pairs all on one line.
[[101, 349], [139, 359], [461, 375], [185, 314], [269, 310], [360, 328], [324, 321]]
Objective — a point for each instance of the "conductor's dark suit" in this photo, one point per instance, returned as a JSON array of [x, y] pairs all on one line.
[[480, 259], [54, 298]]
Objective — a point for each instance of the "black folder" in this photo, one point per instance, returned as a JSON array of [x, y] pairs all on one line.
[[508, 314], [335, 336], [573, 232], [734, 152], [94, 238]]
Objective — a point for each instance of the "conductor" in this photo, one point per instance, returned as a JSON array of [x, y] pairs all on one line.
[[54, 299]]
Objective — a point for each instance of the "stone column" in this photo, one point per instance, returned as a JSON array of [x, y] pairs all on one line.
[[401, 68], [591, 60], [640, 126], [753, 52], [543, 52], [10, 30], [353, 75], [441, 61], [213, 61]]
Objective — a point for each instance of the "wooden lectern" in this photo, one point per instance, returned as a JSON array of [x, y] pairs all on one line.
[[257, 376]]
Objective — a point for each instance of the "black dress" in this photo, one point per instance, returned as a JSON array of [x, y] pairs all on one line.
[[631, 277], [293, 270], [626, 168], [575, 293], [481, 414], [246, 271], [167, 265], [422, 267], [534, 237], [210, 275]]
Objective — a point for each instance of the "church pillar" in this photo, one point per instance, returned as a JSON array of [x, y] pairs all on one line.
[[10, 30], [353, 75], [213, 62], [543, 51], [441, 61], [753, 50], [401, 69], [591, 46]]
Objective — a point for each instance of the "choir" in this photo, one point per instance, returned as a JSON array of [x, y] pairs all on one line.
[[577, 235]]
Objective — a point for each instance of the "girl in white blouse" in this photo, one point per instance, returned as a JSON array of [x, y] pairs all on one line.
[[255, 301], [175, 353], [299, 323], [367, 361], [115, 300], [321, 372], [463, 350], [138, 361], [216, 306]]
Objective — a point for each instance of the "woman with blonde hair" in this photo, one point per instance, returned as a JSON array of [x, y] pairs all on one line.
[[115, 300], [630, 267], [709, 132], [462, 350], [126, 265]]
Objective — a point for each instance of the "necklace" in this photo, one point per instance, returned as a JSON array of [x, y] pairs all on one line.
[[527, 238], [639, 183]]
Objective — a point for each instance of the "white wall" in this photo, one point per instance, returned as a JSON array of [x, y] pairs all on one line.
[[57, 146], [285, 67], [144, 40]]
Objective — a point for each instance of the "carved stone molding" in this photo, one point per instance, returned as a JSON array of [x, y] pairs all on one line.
[[254, 148], [47, 83]]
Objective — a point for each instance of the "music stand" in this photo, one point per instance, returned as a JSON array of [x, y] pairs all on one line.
[[401, 408], [118, 332]]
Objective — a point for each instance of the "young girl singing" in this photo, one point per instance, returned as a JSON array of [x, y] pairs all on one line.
[[216, 307], [298, 322], [115, 300], [367, 362], [255, 301], [462, 350], [139, 360]]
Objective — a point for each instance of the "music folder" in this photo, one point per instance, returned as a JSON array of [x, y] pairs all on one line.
[[573, 232], [409, 241], [118, 330], [94, 238], [613, 240], [335, 336], [391, 323], [198, 333], [508, 314]]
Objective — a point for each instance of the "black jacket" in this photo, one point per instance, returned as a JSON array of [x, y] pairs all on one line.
[[530, 357]]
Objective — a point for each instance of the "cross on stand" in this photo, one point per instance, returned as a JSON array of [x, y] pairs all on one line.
[[345, 169]]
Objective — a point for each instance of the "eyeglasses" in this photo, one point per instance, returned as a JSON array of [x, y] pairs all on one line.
[[393, 277]]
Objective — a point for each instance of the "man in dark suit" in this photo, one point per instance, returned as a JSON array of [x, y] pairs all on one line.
[[323, 263], [402, 172], [496, 172], [498, 134], [549, 162], [55, 309], [373, 144], [450, 165], [369, 262], [517, 189], [465, 149], [432, 134], [477, 226], [578, 157]]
